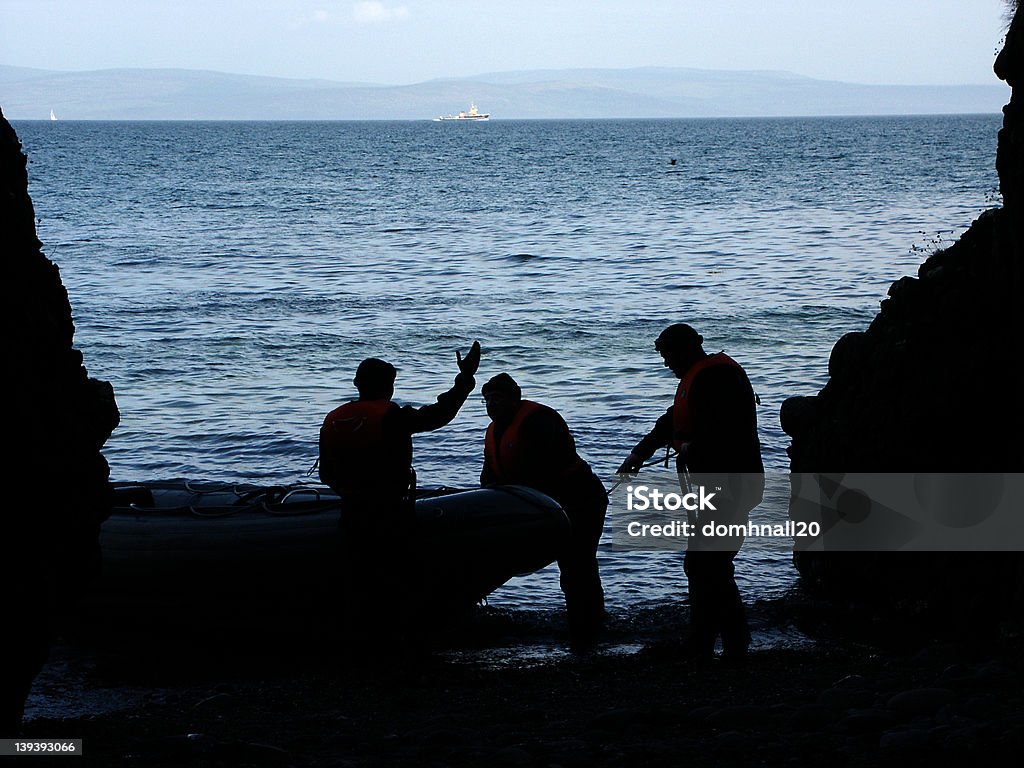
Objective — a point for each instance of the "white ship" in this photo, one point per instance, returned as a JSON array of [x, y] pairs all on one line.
[[472, 114]]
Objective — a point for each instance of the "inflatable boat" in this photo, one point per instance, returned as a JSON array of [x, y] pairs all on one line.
[[184, 554]]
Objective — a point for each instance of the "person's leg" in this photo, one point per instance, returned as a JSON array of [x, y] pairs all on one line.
[[699, 568], [732, 616], [580, 576]]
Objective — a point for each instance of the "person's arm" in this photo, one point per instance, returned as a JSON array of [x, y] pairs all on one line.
[[436, 415], [658, 437], [328, 465], [430, 417], [487, 476]]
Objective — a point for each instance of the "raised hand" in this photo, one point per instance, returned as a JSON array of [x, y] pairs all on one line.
[[469, 364]]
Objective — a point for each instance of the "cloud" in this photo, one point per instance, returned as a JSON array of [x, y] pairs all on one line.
[[372, 12]]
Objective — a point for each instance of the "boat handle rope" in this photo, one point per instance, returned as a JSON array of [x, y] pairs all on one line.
[[300, 489], [254, 499], [669, 455]]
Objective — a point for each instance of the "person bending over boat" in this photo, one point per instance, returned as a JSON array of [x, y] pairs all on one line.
[[713, 426], [530, 444], [366, 458]]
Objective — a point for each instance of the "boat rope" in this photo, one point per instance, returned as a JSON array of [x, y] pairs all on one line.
[[625, 476], [295, 490], [271, 499], [188, 486]]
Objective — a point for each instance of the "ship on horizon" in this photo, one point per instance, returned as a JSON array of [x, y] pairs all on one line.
[[472, 115]]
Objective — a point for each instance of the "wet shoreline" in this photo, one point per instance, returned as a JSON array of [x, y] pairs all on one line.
[[96, 673]]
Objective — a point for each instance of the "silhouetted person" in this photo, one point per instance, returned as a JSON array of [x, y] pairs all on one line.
[[713, 426], [530, 444], [366, 458]]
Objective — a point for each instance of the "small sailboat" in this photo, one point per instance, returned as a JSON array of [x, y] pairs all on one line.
[[52, 116]]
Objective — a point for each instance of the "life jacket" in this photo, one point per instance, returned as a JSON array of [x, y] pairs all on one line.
[[682, 414], [506, 457], [357, 457]]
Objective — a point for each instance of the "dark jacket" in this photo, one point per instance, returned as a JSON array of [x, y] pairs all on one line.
[[724, 435]]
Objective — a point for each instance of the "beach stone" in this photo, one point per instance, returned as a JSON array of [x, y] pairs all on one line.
[[940, 734], [976, 708], [734, 741], [244, 752], [440, 735], [963, 679], [700, 714], [739, 716], [459, 754], [860, 721], [908, 739], [921, 701], [527, 715], [511, 756], [811, 717], [954, 673], [204, 747], [946, 654], [846, 698], [851, 683], [218, 699], [991, 671], [639, 717], [569, 751]]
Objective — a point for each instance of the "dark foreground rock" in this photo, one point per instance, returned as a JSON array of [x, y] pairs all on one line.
[[932, 386], [55, 419]]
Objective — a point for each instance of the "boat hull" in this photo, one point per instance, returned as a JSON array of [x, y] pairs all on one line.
[[186, 556]]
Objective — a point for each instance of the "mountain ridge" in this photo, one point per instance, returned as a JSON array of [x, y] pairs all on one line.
[[638, 92]]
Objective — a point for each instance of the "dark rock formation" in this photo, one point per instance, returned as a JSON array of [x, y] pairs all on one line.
[[55, 491], [932, 385]]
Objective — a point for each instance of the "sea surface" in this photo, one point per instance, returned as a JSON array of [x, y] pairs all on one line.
[[227, 278]]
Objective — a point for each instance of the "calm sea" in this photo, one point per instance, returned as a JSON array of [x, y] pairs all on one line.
[[228, 277]]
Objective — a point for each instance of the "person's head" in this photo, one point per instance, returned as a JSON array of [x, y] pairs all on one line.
[[680, 347], [502, 396], [375, 379]]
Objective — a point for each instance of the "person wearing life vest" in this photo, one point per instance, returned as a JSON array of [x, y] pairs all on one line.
[[366, 444], [366, 458], [530, 444], [712, 424]]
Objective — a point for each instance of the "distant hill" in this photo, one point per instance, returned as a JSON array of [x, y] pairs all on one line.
[[178, 94]]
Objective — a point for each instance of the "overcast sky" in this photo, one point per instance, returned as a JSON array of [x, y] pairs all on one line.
[[409, 41]]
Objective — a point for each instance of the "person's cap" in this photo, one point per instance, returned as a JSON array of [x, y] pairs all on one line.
[[375, 373], [678, 336], [502, 383]]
